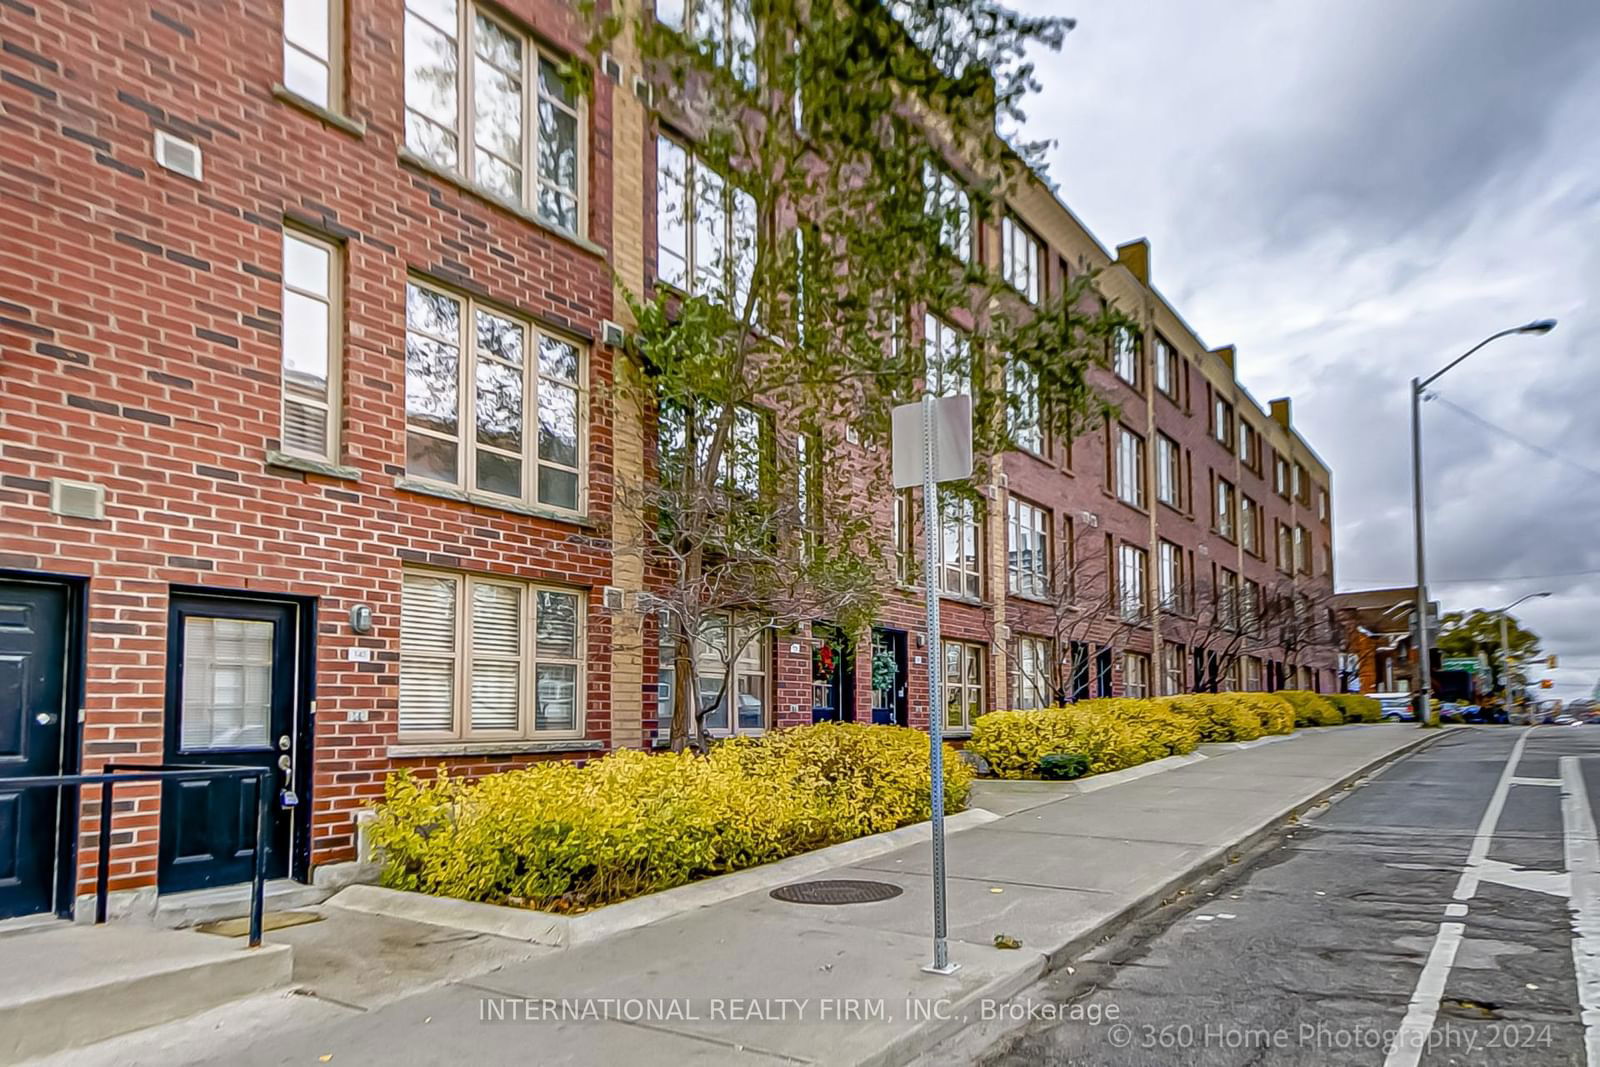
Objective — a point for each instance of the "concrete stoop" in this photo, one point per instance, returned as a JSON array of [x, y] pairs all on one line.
[[63, 986]]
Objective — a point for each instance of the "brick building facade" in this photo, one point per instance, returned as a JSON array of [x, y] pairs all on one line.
[[277, 310]]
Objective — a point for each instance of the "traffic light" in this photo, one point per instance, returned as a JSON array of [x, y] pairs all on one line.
[[1546, 683], [1551, 661]]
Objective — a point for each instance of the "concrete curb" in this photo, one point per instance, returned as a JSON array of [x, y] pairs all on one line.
[[565, 931], [908, 1046]]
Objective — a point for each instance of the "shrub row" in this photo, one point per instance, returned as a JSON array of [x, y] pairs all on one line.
[[564, 837], [1094, 736]]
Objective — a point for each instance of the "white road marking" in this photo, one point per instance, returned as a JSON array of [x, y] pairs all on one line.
[[1455, 911], [1583, 865], [1535, 781], [1555, 883], [1412, 1037]]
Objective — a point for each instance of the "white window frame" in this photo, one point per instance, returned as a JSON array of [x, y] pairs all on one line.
[[961, 694], [754, 660], [1249, 522], [1030, 673], [1172, 665], [319, 41], [1247, 438], [1169, 471], [1130, 467], [706, 229], [963, 576], [462, 654], [1022, 408], [1228, 600], [331, 299], [1225, 506], [1027, 548], [1170, 586], [1300, 566], [947, 200], [539, 76], [1222, 422], [946, 376], [1135, 674], [1131, 565], [716, 23], [1021, 258], [1125, 355], [1164, 368], [534, 381]]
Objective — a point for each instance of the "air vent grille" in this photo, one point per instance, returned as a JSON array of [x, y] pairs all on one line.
[[77, 500], [177, 155]]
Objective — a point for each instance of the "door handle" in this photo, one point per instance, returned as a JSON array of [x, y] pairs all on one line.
[[46, 718]]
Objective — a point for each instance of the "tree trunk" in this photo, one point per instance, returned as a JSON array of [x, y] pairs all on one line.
[[685, 693]]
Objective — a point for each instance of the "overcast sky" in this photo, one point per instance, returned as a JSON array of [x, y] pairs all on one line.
[[1355, 192]]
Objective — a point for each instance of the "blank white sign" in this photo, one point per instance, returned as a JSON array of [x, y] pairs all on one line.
[[952, 439]]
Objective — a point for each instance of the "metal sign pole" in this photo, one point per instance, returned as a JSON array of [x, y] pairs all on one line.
[[930, 590]]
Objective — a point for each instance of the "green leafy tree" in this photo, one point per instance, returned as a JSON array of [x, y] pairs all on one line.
[[1466, 633], [817, 205]]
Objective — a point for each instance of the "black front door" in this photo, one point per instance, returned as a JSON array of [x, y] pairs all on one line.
[[33, 660], [230, 702], [889, 703]]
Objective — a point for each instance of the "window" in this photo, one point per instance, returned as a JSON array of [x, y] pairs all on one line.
[[1022, 406], [1301, 564], [1222, 422], [489, 658], [311, 41], [1028, 548], [1130, 582], [1230, 678], [1169, 577], [1326, 556], [1248, 446], [1135, 674], [1169, 471], [1228, 600], [1031, 668], [1301, 492], [905, 538], [311, 339], [963, 684], [960, 565], [1021, 261], [1280, 476], [1225, 508], [946, 200], [1249, 525], [1252, 674], [750, 683], [948, 356], [1165, 368], [705, 229], [482, 100], [747, 459], [725, 26], [1125, 355], [1171, 669], [1285, 548], [227, 692], [1250, 608], [1322, 504], [470, 364], [1130, 467]]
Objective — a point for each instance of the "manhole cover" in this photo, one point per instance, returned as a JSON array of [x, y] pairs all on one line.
[[836, 891]]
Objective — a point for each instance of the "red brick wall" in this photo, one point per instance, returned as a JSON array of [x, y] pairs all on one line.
[[139, 328]]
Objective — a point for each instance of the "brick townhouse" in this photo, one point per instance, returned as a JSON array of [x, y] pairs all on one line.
[[309, 439]]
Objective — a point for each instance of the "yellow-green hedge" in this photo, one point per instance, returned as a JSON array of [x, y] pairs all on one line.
[[1312, 709], [1357, 708], [563, 837]]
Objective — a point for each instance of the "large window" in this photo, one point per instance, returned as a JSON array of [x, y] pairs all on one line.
[[1135, 674], [1171, 669], [1021, 259], [1228, 600], [947, 355], [1130, 583], [1030, 673], [1301, 562], [946, 200], [1250, 525], [1285, 548], [1169, 577], [1249, 446], [1322, 504], [311, 51], [1165, 368], [749, 688], [1027, 548], [960, 548], [1252, 674], [1222, 422], [725, 26], [963, 684], [1225, 508], [473, 374], [482, 100], [1125, 355], [705, 228], [311, 339], [1169, 471], [906, 564], [1022, 406], [1280, 476], [489, 658], [1130, 467], [1250, 607]]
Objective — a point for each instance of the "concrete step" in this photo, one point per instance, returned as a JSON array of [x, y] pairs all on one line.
[[65, 985], [175, 910]]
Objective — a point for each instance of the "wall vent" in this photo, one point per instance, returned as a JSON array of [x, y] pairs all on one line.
[[643, 90], [612, 333], [77, 500], [177, 155], [610, 67], [1090, 519], [611, 597]]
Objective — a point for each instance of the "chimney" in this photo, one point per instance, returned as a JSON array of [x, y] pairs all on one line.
[[1280, 411], [1226, 354], [1135, 255]]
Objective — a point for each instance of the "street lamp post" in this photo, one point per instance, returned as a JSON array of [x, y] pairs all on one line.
[[1418, 385], [1505, 650]]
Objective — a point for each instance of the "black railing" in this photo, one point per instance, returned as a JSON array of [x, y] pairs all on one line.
[[163, 772]]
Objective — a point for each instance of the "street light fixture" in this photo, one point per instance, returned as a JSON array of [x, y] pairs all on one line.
[[1425, 682], [1505, 650]]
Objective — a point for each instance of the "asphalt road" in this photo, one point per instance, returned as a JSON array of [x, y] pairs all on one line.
[[1424, 917]]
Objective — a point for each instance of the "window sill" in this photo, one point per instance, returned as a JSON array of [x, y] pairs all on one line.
[[958, 735], [1032, 598], [354, 127], [433, 170], [485, 500], [285, 461], [419, 749], [971, 601]]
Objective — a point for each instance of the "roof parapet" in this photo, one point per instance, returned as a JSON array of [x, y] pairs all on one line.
[[1135, 255]]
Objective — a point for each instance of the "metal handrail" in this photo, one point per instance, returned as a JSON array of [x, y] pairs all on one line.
[[162, 772]]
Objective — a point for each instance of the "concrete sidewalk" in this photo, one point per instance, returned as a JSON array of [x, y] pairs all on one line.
[[753, 979]]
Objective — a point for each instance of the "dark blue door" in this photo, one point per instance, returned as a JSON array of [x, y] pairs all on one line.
[[230, 702], [33, 660]]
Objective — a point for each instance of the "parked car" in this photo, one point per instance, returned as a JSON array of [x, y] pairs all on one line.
[[1395, 707]]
